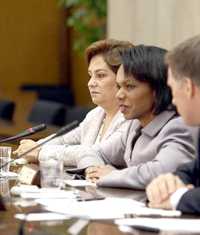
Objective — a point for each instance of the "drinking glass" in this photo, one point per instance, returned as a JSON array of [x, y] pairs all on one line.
[[5, 157], [51, 169]]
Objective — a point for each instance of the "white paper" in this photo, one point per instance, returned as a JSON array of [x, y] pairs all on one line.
[[25, 203], [49, 193], [76, 228], [8, 174], [55, 201], [79, 183], [20, 161], [109, 208], [41, 216], [145, 211], [17, 190], [165, 224]]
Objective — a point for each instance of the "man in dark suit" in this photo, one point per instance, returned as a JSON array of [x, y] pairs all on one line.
[[181, 190]]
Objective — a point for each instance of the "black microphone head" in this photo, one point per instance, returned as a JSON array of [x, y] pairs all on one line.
[[66, 128], [25, 133], [37, 128]]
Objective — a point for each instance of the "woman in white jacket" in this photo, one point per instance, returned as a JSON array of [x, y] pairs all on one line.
[[103, 121]]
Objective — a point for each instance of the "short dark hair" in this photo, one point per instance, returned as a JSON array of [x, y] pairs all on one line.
[[109, 49], [146, 64], [184, 60]]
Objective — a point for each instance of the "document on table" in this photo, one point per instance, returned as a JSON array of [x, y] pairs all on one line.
[[97, 209], [145, 211], [41, 216], [17, 190], [108, 208], [79, 183], [164, 224], [8, 174], [49, 193]]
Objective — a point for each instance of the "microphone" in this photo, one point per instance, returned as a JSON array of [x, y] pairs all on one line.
[[60, 132], [27, 132]]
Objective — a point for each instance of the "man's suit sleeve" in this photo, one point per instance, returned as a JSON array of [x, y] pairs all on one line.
[[187, 172], [190, 201]]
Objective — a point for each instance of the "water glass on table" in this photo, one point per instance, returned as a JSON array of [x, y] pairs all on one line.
[[51, 169], [4, 188], [5, 158]]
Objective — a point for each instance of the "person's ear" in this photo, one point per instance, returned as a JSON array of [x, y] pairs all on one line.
[[189, 88]]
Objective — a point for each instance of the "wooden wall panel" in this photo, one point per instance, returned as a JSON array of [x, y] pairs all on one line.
[[31, 42], [30, 34]]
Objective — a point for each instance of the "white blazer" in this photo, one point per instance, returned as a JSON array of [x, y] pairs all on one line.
[[85, 135]]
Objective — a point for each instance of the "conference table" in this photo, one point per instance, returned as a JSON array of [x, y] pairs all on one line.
[[10, 226]]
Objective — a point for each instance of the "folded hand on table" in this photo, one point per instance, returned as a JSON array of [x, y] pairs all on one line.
[[94, 173], [161, 188], [24, 146]]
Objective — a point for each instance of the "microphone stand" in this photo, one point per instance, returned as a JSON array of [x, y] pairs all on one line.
[[60, 132]]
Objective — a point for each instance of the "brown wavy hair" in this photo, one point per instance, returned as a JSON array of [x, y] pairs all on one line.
[[109, 49]]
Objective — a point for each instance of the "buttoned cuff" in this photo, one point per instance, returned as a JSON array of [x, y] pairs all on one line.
[[176, 197]]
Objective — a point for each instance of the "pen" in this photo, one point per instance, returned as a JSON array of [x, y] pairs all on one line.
[[133, 228], [90, 199], [127, 216], [146, 228], [153, 215]]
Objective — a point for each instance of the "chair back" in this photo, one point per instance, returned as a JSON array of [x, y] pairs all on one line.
[[76, 113], [7, 109], [48, 112]]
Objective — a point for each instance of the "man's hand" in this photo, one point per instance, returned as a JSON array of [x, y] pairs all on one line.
[[24, 146], [162, 187], [94, 173]]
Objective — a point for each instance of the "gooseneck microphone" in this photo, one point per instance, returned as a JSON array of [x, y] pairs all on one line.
[[27, 132], [60, 132]]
